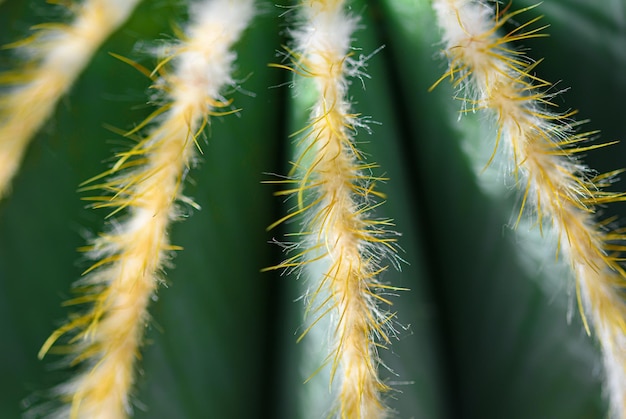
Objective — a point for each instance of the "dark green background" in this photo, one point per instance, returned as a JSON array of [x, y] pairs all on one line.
[[486, 332]]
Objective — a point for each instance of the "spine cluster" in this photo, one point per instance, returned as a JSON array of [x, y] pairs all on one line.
[[56, 53], [336, 194], [142, 188], [542, 146]]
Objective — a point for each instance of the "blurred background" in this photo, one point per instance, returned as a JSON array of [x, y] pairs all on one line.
[[489, 328]]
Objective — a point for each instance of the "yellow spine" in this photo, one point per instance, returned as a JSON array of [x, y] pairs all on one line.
[[335, 194], [58, 55], [146, 182], [543, 148]]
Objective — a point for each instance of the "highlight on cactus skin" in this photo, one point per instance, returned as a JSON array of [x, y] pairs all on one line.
[[342, 244]]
